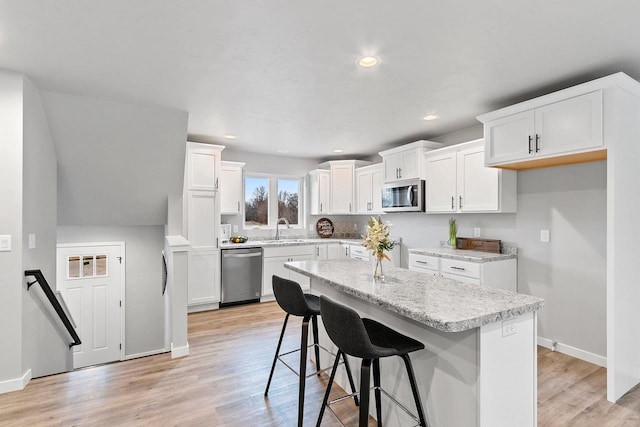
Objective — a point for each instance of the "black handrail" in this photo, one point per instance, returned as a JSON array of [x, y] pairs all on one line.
[[54, 302]]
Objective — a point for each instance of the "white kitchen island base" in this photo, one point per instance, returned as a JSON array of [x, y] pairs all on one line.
[[483, 376]]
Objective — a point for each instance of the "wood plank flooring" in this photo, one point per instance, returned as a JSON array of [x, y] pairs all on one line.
[[221, 383]]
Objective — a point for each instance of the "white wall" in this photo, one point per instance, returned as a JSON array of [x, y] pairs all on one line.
[[11, 276], [44, 346], [144, 311], [117, 162]]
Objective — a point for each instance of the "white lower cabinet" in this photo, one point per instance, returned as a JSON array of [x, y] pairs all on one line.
[[500, 274], [204, 277], [328, 251], [273, 264]]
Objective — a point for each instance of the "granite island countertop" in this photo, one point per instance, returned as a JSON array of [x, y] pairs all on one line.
[[444, 304], [272, 243], [462, 254]]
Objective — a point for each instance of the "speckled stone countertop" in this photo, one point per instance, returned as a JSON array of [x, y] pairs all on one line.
[[444, 304], [287, 242], [463, 255]]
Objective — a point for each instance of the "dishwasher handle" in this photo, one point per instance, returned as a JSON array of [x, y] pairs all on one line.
[[249, 255]]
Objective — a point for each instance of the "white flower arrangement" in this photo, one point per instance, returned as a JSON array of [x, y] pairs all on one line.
[[377, 238]]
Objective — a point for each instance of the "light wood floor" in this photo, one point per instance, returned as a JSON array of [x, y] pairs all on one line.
[[221, 383]]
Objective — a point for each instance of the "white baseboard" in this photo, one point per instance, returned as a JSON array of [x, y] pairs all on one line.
[[16, 383], [203, 307], [179, 351], [145, 354], [574, 352]]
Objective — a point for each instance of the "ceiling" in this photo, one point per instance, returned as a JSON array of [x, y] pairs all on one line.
[[282, 75]]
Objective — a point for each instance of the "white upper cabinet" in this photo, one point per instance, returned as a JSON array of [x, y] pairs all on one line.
[[406, 161], [457, 181], [202, 166], [320, 191], [561, 128], [231, 188], [369, 180], [342, 188]]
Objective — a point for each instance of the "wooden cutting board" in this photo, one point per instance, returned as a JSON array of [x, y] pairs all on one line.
[[484, 245]]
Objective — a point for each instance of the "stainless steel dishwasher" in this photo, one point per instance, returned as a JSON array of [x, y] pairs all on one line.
[[241, 276]]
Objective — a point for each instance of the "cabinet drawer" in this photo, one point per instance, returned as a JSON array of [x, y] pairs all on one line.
[[461, 268], [289, 251], [423, 262], [460, 278], [360, 251]]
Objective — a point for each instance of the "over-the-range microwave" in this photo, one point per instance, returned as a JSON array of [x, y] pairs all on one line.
[[403, 196]]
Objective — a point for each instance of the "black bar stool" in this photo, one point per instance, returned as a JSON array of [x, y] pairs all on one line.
[[294, 302], [368, 340]]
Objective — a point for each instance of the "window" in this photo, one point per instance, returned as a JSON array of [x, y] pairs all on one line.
[[86, 266], [261, 209]]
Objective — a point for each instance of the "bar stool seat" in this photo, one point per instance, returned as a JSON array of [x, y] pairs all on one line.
[[370, 341], [293, 301]]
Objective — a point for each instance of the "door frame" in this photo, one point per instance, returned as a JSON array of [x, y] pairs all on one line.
[[122, 281]]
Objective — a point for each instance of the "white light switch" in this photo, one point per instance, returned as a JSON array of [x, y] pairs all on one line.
[[32, 240], [476, 232], [544, 235], [5, 243]]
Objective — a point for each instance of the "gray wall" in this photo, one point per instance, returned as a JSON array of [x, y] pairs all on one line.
[[144, 311], [117, 162], [569, 272], [44, 345], [11, 276]]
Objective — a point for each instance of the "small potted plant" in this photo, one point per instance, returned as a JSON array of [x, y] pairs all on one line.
[[453, 232]]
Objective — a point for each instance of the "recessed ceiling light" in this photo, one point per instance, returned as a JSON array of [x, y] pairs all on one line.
[[230, 136], [368, 61], [429, 117], [337, 150], [283, 151]]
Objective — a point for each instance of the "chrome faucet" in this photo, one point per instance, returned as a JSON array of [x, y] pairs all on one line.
[[278, 223]]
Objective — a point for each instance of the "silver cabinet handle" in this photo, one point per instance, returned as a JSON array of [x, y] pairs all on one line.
[[457, 268], [422, 262], [317, 251], [452, 201], [320, 207], [217, 242], [217, 184], [460, 204], [349, 207], [537, 142], [238, 205], [530, 140], [399, 172]]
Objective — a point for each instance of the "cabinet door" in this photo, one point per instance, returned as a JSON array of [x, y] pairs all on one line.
[[334, 252], [571, 125], [201, 169], [410, 166], [270, 267], [324, 192], [321, 252], [392, 164], [440, 183], [204, 277], [201, 219], [230, 189], [303, 281], [478, 186], [377, 180], [342, 189], [344, 251], [508, 139], [363, 192]]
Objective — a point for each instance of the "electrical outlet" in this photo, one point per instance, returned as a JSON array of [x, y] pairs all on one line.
[[509, 327], [544, 236], [476, 232], [5, 243], [235, 228]]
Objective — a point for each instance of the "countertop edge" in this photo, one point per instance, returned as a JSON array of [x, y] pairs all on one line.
[[471, 257]]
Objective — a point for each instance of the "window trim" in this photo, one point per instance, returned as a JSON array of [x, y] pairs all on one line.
[[273, 201]]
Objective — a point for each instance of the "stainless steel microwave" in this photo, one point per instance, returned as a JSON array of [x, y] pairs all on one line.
[[403, 196]]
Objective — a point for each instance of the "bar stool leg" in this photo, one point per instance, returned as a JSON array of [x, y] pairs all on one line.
[[303, 368], [275, 357], [314, 323], [365, 381], [414, 389], [351, 383], [376, 384], [329, 384]]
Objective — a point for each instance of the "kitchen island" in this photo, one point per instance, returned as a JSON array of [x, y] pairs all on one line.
[[479, 366]]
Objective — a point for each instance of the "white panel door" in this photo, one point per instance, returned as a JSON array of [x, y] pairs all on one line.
[[272, 266], [392, 164], [90, 280], [324, 192], [441, 183], [363, 192], [204, 274], [230, 188], [478, 186], [342, 189], [377, 180], [201, 222], [202, 169], [410, 166]]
